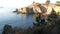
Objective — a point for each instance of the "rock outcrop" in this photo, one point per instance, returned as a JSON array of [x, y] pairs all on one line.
[[7, 29], [39, 8], [33, 8]]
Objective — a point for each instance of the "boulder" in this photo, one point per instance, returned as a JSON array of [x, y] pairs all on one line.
[[7, 29]]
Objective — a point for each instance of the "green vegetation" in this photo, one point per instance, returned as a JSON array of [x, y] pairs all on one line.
[[53, 15], [39, 21], [52, 22]]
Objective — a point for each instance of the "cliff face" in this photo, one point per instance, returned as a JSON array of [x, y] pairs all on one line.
[[57, 8], [31, 8], [39, 8]]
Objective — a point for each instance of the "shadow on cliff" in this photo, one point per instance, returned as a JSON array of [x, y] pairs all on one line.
[[43, 9], [30, 10]]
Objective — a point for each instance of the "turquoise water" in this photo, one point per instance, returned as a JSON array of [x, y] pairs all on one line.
[[15, 20]]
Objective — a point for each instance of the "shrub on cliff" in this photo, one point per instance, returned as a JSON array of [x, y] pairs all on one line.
[[53, 15], [51, 21], [39, 21]]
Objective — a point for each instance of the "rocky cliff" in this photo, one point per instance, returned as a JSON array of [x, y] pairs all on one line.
[[39, 8]]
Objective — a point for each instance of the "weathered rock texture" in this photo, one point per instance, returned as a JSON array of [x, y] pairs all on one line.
[[7, 29], [39, 8]]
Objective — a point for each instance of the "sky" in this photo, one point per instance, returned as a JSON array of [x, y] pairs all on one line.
[[20, 3]]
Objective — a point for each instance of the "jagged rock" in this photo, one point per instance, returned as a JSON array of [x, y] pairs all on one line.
[[39, 8], [7, 29]]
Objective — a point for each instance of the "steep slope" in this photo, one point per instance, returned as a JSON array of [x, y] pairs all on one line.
[[39, 8]]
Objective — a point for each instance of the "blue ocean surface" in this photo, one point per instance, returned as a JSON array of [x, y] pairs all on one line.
[[15, 20]]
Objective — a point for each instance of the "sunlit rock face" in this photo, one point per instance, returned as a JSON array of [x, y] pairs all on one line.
[[33, 8], [22, 10], [57, 8], [49, 9], [39, 8]]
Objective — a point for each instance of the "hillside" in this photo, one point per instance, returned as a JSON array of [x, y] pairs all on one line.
[[39, 8]]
